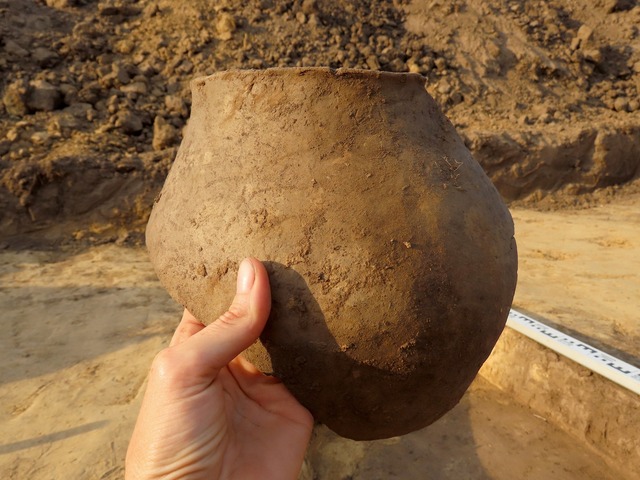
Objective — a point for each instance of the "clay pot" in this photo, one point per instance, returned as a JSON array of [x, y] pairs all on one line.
[[390, 254]]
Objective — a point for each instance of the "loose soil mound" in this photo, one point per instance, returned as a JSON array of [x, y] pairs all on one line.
[[95, 92]]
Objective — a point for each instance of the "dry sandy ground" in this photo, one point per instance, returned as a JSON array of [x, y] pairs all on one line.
[[80, 329], [79, 333], [579, 269]]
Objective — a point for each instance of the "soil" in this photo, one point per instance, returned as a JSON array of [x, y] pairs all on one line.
[[95, 93]]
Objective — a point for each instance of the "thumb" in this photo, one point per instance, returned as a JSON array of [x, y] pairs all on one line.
[[235, 330]]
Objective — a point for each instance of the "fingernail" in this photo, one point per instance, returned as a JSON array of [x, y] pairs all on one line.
[[246, 276]]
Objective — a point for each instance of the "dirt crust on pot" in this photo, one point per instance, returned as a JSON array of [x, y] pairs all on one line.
[[390, 253]]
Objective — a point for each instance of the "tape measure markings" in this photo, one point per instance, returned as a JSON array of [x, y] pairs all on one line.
[[610, 367]]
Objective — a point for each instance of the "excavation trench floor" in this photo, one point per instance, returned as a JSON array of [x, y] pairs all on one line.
[[578, 271], [486, 436], [81, 328]]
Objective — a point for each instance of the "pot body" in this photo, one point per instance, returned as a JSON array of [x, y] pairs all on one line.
[[391, 256]]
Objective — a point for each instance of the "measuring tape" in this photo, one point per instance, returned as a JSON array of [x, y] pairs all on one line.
[[612, 368]]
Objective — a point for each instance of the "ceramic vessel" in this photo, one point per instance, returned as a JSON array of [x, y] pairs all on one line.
[[391, 256]]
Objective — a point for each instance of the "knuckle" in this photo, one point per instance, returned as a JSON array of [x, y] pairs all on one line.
[[230, 318], [163, 363], [171, 364]]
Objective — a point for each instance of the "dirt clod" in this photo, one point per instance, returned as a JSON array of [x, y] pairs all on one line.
[[164, 134], [42, 96]]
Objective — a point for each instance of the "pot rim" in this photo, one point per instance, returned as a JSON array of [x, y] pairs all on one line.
[[400, 77]]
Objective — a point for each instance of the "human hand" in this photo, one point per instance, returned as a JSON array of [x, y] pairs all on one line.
[[209, 413]]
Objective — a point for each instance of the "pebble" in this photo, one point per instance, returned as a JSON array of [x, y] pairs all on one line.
[[313, 21], [455, 98], [444, 86], [45, 57], [582, 37], [592, 55], [135, 87], [14, 98], [128, 164], [164, 134], [621, 104], [545, 118], [90, 93], [40, 138], [427, 63], [309, 6], [63, 124], [69, 93], [175, 104], [413, 66], [128, 122], [372, 62], [44, 97], [440, 63], [83, 111], [225, 26], [397, 65], [525, 120], [150, 10], [61, 3], [121, 73], [185, 67], [125, 46], [13, 48], [12, 134], [112, 104], [151, 66]]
